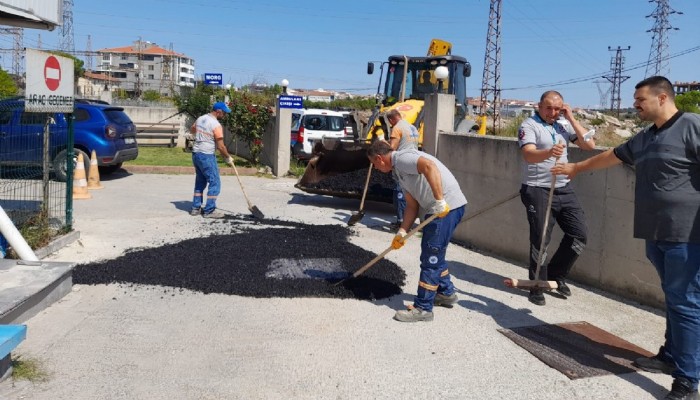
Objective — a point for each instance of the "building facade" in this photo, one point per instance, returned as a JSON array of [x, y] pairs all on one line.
[[146, 66], [683, 87]]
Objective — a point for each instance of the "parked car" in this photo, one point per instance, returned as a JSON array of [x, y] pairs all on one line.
[[100, 127], [312, 125]]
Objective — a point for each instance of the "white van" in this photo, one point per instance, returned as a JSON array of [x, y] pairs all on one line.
[[312, 125]]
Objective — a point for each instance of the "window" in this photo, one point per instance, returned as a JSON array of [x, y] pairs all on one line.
[[106, 57], [81, 114], [151, 67], [28, 118], [5, 116], [124, 57], [151, 76], [148, 57]]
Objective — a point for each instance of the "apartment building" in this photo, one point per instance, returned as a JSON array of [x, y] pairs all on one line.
[[146, 66]]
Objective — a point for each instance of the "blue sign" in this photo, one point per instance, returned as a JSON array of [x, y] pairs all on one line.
[[213, 78], [290, 101]]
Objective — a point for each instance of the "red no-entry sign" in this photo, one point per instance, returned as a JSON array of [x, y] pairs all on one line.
[[52, 73], [50, 86]]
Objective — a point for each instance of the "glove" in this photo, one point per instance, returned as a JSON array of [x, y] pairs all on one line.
[[440, 208], [399, 240], [229, 161]]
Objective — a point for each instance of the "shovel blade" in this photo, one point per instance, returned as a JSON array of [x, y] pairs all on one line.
[[256, 212], [530, 284], [355, 218]]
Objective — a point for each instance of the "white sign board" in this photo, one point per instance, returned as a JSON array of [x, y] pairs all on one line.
[[50, 84]]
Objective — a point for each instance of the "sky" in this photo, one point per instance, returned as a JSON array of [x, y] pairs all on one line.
[[327, 44]]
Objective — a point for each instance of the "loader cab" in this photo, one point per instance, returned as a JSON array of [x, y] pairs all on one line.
[[421, 81]]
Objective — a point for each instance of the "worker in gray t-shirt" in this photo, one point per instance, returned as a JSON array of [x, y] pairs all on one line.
[[403, 136], [666, 157], [429, 188], [543, 139]]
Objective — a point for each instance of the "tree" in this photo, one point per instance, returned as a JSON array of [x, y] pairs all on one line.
[[7, 85], [689, 101], [151, 95], [77, 63]]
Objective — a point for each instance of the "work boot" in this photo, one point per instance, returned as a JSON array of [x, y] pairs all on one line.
[[413, 314], [196, 211], [682, 389], [445, 301], [563, 288], [536, 296], [214, 214], [656, 364]]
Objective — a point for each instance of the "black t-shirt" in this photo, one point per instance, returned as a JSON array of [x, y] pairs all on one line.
[[667, 170]]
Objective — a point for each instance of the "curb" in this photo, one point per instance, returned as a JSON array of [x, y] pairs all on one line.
[[158, 169]]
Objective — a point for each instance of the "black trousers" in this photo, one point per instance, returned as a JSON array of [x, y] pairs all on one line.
[[568, 214]]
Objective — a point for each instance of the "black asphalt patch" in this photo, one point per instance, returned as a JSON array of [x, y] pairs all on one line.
[[577, 349], [271, 258]]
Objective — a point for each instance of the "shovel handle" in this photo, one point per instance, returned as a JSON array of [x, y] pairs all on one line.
[[385, 252], [364, 192], [240, 183]]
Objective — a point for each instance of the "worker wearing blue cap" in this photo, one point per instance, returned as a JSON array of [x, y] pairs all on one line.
[[209, 136]]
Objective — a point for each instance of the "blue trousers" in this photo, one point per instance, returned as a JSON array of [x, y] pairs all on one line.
[[399, 202], [678, 265], [434, 275], [207, 173]]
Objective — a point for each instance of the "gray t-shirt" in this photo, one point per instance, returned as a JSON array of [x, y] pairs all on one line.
[[543, 135], [204, 138], [409, 135], [667, 171], [405, 163]]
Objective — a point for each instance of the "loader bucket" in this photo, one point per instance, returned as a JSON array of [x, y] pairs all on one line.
[[339, 168]]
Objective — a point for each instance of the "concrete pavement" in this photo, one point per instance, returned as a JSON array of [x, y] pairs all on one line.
[[142, 342]]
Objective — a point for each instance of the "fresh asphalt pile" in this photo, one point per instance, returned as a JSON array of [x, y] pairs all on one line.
[[243, 263], [381, 184]]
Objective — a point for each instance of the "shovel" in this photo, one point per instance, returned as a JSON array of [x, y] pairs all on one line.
[[537, 283], [356, 217], [253, 209], [385, 252]]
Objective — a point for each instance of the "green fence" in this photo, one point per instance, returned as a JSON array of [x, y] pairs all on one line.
[[39, 204]]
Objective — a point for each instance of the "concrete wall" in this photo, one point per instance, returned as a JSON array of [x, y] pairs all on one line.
[[488, 170]]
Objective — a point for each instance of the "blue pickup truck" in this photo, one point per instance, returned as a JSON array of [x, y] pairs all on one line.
[[97, 126]]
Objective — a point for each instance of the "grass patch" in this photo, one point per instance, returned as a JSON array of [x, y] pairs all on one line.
[[28, 369], [296, 167], [174, 157]]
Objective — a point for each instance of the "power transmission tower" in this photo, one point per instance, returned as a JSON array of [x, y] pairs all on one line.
[[658, 54], [165, 70], [491, 81], [17, 47], [67, 43], [615, 77], [88, 54], [603, 93]]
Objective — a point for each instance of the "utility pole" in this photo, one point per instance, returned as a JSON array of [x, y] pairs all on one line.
[[88, 54], [615, 77], [658, 54], [491, 81], [138, 69], [67, 42]]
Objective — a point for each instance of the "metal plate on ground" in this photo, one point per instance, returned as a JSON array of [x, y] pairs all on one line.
[[577, 349]]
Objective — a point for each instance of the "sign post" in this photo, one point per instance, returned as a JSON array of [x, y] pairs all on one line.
[[50, 82]]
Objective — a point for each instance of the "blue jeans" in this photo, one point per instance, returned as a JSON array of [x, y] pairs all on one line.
[[434, 275], [399, 202], [207, 173], [678, 265]]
